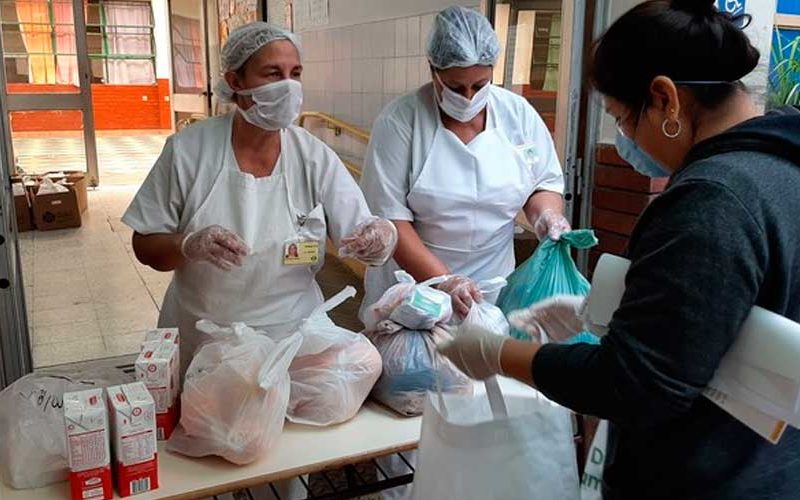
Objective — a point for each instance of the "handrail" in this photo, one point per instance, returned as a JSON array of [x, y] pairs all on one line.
[[336, 124]]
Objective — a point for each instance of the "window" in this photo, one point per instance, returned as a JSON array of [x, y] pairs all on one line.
[[39, 41]]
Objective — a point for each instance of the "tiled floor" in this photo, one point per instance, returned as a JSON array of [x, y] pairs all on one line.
[[87, 296]]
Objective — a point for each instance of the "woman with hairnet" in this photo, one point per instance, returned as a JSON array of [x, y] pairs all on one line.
[[454, 162], [230, 196]]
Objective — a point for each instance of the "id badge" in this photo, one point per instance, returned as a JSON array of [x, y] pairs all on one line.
[[301, 253]]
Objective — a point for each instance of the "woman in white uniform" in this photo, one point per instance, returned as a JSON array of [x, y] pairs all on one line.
[[230, 196], [454, 162]]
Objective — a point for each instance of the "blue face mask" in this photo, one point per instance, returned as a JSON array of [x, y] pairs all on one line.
[[638, 159]]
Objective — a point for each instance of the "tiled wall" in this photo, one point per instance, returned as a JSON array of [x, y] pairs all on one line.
[[352, 72]]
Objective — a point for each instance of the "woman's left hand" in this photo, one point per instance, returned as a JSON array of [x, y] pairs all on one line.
[[372, 242], [551, 224]]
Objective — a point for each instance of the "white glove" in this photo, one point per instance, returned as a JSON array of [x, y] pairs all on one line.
[[372, 242], [551, 224], [216, 245], [475, 351], [463, 292], [557, 318]]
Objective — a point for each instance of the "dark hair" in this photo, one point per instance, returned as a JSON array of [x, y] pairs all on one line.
[[685, 40]]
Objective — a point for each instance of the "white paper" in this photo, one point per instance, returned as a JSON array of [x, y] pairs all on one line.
[[768, 427], [759, 376]]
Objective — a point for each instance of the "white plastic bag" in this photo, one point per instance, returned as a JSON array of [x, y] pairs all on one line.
[[33, 450], [592, 481], [413, 305], [47, 186], [334, 370], [520, 450], [235, 395], [485, 314], [410, 366]]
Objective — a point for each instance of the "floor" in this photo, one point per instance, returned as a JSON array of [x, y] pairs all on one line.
[[87, 296]]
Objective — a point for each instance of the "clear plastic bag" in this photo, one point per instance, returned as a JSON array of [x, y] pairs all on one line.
[[235, 395], [334, 370], [33, 449], [410, 365], [485, 314], [413, 305], [548, 272]]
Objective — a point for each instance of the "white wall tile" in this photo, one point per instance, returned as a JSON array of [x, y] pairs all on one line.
[[413, 78], [373, 104], [401, 37], [401, 75], [358, 109], [357, 76], [373, 40], [373, 76], [424, 70], [360, 41], [385, 40], [327, 41], [413, 36], [425, 26], [389, 70], [342, 107], [342, 75]]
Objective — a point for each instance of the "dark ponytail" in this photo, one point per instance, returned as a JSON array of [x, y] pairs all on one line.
[[685, 40]]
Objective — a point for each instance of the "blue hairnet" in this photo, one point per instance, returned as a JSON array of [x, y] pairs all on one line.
[[460, 38], [245, 41]]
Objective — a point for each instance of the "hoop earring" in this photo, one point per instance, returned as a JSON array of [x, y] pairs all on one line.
[[672, 135]]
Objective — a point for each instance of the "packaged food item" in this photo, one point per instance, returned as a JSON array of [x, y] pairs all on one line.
[[133, 425], [485, 314], [89, 458], [412, 367], [159, 334], [334, 370], [413, 305], [236, 393], [158, 368]]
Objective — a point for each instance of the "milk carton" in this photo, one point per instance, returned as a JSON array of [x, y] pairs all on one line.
[[86, 425], [158, 368], [133, 424], [159, 334]]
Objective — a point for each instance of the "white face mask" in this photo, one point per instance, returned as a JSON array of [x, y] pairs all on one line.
[[275, 105], [459, 107]]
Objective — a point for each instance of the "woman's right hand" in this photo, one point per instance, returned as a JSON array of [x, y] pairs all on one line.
[[463, 292], [217, 245]]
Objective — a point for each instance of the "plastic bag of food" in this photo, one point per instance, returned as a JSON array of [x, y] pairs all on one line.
[[413, 305], [334, 370], [47, 186], [485, 314], [550, 271], [33, 450], [410, 365], [235, 394]]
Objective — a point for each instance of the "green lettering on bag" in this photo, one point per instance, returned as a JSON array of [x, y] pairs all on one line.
[[590, 481], [598, 457]]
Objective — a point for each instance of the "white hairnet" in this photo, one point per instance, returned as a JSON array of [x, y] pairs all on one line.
[[245, 41], [460, 38], [242, 43]]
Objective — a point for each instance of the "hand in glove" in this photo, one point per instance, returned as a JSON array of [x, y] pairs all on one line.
[[463, 292], [551, 224], [475, 351], [372, 242], [557, 318], [216, 245]]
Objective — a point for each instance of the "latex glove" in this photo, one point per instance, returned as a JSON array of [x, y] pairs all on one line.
[[551, 224], [216, 245], [372, 242], [557, 318], [475, 351], [463, 292]]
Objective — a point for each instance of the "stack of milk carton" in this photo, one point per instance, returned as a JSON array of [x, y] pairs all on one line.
[[158, 367], [131, 429]]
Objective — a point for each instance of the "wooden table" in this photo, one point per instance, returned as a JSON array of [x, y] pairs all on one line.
[[374, 432]]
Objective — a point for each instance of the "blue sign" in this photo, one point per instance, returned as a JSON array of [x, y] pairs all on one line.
[[735, 8]]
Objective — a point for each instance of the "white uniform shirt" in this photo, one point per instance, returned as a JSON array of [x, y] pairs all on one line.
[[192, 159], [403, 135]]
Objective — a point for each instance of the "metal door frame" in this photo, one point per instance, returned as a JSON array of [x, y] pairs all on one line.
[[61, 102], [207, 93], [15, 347]]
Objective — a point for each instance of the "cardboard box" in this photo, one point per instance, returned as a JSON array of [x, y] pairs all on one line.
[[86, 425], [22, 207], [75, 180], [157, 367], [133, 426], [56, 211]]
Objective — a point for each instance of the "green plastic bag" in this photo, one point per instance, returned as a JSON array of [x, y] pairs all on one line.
[[548, 272]]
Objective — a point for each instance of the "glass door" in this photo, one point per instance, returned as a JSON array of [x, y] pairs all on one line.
[[47, 88], [191, 95]]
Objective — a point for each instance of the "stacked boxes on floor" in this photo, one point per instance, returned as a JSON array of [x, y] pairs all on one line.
[[133, 423], [158, 367], [47, 212]]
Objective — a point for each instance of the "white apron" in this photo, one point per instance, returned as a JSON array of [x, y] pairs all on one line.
[[264, 292], [464, 202]]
